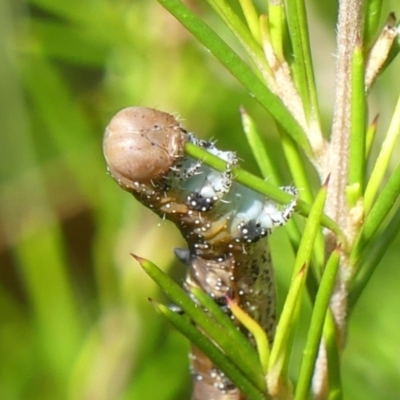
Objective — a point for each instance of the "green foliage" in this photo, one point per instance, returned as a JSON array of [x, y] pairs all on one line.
[[74, 319]]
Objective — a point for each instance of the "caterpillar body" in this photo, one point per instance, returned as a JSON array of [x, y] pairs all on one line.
[[224, 223]]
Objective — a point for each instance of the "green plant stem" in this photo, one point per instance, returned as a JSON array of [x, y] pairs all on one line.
[[378, 213], [247, 39], [259, 334], [251, 16], [316, 326], [226, 323], [207, 323], [302, 67], [217, 356], [280, 349], [311, 230], [296, 166], [383, 159], [372, 13], [239, 69], [358, 118], [370, 136], [277, 27], [371, 259], [335, 390], [263, 159]]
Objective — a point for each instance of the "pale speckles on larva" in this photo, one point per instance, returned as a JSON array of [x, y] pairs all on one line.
[[141, 144], [225, 224]]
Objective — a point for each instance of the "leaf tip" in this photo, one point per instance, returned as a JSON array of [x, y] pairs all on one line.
[[375, 120], [137, 258], [303, 269], [326, 183]]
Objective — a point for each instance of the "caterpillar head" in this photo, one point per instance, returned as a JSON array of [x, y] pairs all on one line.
[[141, 145]]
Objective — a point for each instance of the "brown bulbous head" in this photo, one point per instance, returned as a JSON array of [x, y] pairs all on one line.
[[141, 145]]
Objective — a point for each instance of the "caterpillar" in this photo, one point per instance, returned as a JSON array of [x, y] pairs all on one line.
[[224, 223]]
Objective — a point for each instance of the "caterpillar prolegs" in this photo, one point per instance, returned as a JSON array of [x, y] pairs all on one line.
[[224, 223]]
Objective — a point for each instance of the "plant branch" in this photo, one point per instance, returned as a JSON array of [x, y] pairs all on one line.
[[349, 33]]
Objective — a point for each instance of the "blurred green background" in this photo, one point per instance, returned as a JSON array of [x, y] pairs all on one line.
[[75, 322]]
